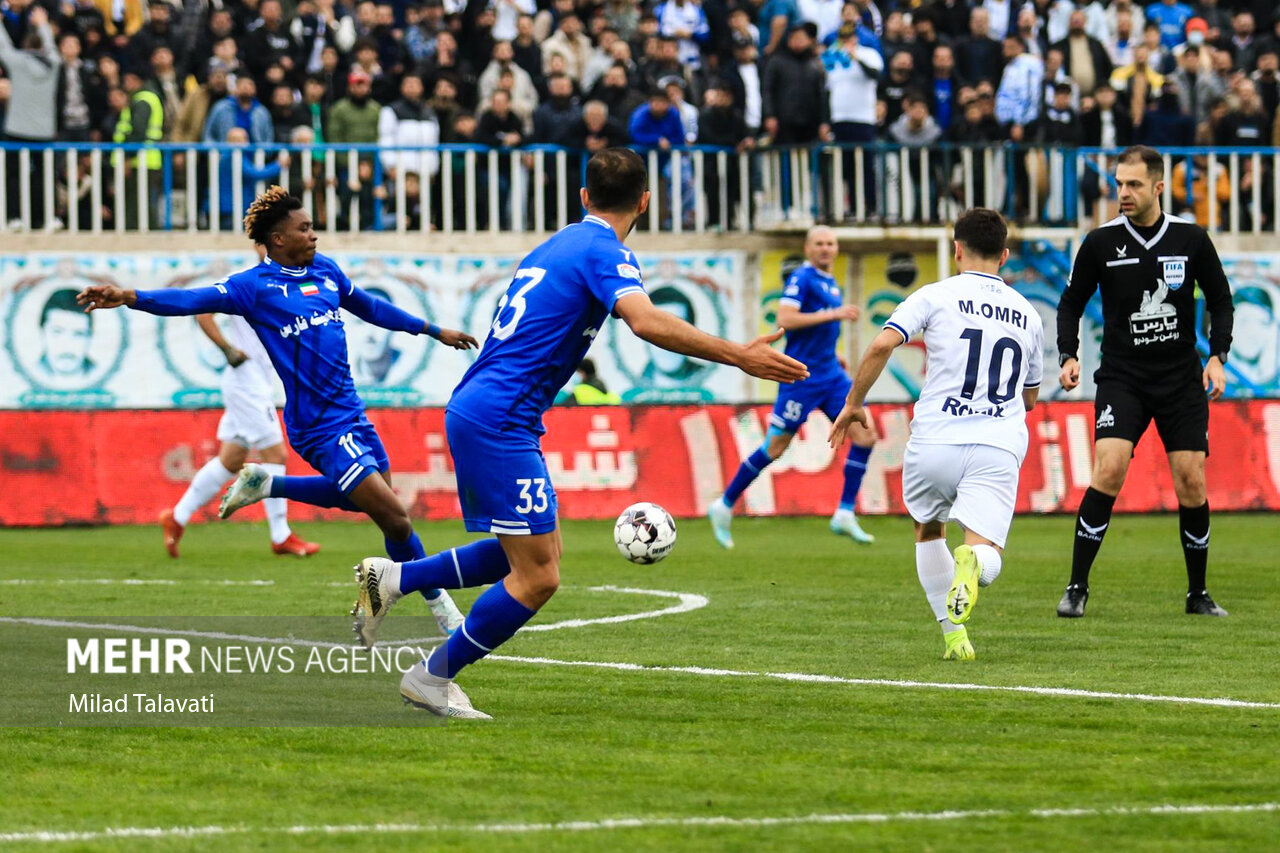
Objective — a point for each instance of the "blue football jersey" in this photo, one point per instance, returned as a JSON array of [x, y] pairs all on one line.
[[809, 290], [295, 312], [560, 296]]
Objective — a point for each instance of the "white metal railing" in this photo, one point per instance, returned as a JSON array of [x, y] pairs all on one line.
[[84, 188]]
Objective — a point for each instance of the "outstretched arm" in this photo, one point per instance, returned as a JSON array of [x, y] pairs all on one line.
[[214, 299], [380, 312], [869, 370], [791, 318], [663, 329]]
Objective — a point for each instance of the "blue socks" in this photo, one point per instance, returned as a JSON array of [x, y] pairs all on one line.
[[747, 473], [494, 619], [317, 491], [854, 469], [410, 549], [477, 564]]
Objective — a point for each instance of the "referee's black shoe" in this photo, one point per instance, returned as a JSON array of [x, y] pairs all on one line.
[[1198, 603], [1072, 604]]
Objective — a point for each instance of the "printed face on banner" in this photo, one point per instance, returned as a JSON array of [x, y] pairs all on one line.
[[1255, 348], [63, 353]]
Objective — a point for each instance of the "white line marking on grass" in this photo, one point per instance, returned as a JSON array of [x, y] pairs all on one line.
[[813, 678], [801, 677], [133, 581], [711, 822]]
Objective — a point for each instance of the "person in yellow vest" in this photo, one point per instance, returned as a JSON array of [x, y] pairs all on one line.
[[590, 390], [141, 121]]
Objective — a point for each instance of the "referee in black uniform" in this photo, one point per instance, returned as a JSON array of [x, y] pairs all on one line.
[[1147, 265]]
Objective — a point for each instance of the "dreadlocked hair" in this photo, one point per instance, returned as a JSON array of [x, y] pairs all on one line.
[[267, 211]]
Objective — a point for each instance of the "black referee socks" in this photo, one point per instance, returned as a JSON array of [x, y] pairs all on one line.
[[1194, 521], [1092, 521]]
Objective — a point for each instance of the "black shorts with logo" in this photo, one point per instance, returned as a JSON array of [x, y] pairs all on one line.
[[1124, 409]]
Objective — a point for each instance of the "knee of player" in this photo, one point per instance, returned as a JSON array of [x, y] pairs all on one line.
[[543, 578], [397, 526], [1108, 473], [1189, 487]]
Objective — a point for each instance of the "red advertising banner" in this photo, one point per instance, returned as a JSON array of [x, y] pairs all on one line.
[[123, 467]]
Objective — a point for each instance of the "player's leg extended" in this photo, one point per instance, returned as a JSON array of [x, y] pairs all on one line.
[[844, 522], [205, 485], [494, 618], [720, 513], [374, 497], [283, 539], [1187, 468]]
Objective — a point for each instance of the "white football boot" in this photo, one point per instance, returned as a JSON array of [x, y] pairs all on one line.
[[440, 696], [447, 614], [251, 485], [379, 581], [721, 517]]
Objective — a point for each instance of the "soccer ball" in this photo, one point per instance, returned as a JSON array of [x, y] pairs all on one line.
[[644, 533]]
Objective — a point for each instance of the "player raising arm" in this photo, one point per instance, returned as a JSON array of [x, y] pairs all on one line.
[[291, 300], [560, 297], [985, 348]]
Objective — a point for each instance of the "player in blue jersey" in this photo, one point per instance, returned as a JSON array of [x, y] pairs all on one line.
[[810, 311], [291, 300], [558, 300]]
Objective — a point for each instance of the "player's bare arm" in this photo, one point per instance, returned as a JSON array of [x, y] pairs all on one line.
[[97, 296], [791, 318], [664, 329], [452, 337], [1029, 397], [870, 367], [234, 357]]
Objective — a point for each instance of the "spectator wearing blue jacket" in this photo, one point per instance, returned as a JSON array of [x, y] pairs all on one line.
[[655, 124], [243, 111]]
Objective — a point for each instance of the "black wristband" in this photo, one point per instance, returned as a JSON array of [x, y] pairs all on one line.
[[1064, 357]]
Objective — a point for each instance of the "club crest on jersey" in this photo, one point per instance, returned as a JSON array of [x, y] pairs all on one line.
[[1175, 271], [308, 289], [328, 282]]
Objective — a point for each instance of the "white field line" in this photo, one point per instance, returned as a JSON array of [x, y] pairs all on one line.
[[795, 677], [711, 822], [132, 582]]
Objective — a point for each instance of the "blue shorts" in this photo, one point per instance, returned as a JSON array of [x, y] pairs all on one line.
[[503, 484], [797, 400], [346, 458]]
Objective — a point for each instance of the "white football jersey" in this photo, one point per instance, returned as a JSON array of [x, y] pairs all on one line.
[[985, 344], [256, 377]]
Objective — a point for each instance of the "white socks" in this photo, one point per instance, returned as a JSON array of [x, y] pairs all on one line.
[[936, 569], [277, 509], [990, 562], [207, 482]]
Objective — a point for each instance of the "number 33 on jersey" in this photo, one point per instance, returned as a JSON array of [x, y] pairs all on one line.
[[985, 345]]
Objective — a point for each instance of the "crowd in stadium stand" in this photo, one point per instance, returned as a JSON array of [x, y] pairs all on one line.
[[654, 73]]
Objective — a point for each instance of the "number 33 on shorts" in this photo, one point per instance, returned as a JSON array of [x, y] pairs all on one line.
[[533, 495]]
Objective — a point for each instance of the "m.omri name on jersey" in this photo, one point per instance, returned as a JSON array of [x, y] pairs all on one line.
[[999, 313]]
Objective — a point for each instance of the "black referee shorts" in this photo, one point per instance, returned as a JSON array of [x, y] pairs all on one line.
[[1124, 410]]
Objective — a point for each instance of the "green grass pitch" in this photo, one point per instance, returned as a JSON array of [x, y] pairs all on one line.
[[670, 752]]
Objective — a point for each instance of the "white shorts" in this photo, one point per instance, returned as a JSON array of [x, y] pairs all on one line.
[[974, 485], [250, 422]]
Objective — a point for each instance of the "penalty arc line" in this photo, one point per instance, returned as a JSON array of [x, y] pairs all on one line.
[[700, 822], [794, 677]]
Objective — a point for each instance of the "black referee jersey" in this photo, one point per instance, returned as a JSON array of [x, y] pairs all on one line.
[[1148, 278]]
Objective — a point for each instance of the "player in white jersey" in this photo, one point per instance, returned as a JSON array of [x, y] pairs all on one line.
[[248, 423], [985, 348]]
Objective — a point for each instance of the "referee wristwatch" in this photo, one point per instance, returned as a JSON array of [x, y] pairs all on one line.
[[1064, 357], [1220, 356]]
